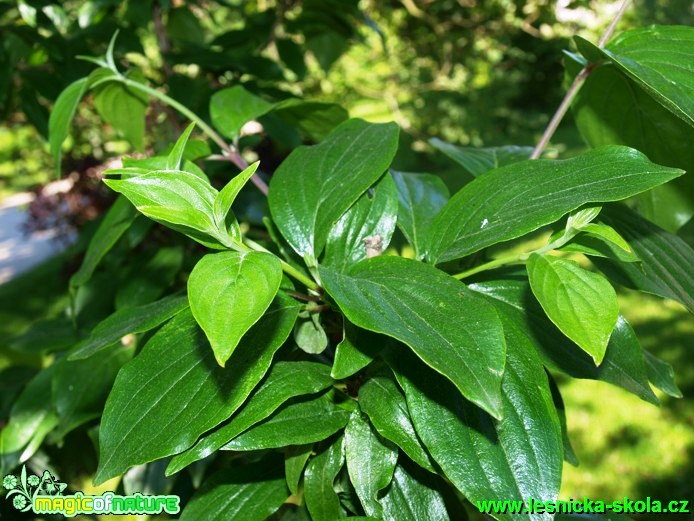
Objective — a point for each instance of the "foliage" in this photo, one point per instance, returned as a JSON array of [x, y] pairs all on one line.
[[350, 346]]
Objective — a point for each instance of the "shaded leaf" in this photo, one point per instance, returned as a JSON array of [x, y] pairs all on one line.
[[356, 350], [124, 109], [412, 499], [232, 108], [295, 460], [476, 161], [662, 375], [61, 116], [319, 478]]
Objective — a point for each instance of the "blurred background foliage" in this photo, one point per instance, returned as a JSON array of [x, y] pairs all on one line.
[[470, 72]]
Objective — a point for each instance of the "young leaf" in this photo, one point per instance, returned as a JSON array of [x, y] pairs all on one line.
[[124, 109], [421, 197], [176, 372], [597, 239], [128, 321], [372, 217], [319, 478], [481, 456], [250, 492], [412, 499], [315, 185], [222, 204], [286, 380], [477, 161], [662, 376], [175, 157], [309, 334], [443, 322], [511, 201], [61, 116], [370, 462], [385, 405], [583, 305], [229, 292], [231, 108], [296, 423]]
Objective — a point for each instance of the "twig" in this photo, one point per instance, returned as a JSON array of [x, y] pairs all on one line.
[[576, 85]]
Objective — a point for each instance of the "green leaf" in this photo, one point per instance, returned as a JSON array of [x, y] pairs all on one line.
[[229, 292], [410, 498], [223, 216], [443, 322], [370, 462], [298, 422], [666, 260], [582, 304], [61, 116], [356, 350], [661, 375], [569, 453], [477, 161], [139, 166], [80, 388], [486, 459], [623, 364], [385, 406], [295, 460], [284, 381], [319, 478], [150, 279], [127, 321], [176, 372], [45, 336], [365, 229], [315, 185], [250, 492], [597, 239], [313, 118], [309, 334], [175, 157], [177, 199], [232, 108], [658, 58], [511, 201], [123, 108], [421, 197]]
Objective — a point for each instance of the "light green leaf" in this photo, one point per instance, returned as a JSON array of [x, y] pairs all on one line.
[[597, 239], [232, 108], [139, 166], [370, 462], [421, 197], [444, 323], [582, 304], [61, 116], [385, 405], [298, 422], [295, 460], [175, 157], [127, 321], [511, 201], [251, 492], [286, 380], [315, 185], [229, 292], [123, 108], [477, 161], [412, 499], [658, 59], [356, 350], [515, 458], [319, 478], [309, 334], [365, 229], [223, 216], [173, 392], [623, 364], [662, 376]]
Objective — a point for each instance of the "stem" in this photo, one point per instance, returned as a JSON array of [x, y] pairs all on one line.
[[287, 268], [575, 86]]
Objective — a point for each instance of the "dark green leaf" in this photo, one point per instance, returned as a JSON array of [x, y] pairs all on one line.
[[176, 372], [229, 292], [315, 185], [319, 492], [421, 197], [128, 321], [149, 280], [623, 364], [123, 108], [284, 381], [295, 460], [365, 229], [666, 260], [61, 116], [511, 201], [243, 492], [385, 405], [46, 336], [411, 499], [477, 161], [356, 350], [569, 453], [175, 157], [661, 374], [582, 304], [116, 221], [370, 462], [443, 322], [516, 458], [296, 423], [314, 119], [232, 108]]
